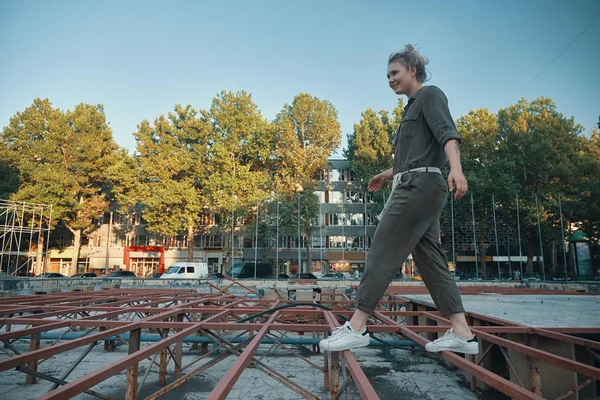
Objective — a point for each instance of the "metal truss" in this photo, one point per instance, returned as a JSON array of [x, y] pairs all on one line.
[[170, 319]]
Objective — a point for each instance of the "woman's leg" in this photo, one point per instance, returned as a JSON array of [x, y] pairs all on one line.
[[433, 267]]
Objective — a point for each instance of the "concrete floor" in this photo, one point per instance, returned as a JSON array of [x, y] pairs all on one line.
[[540, 311], [403, 376]]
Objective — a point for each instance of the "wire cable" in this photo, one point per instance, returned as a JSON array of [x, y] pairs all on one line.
[[561, 53]]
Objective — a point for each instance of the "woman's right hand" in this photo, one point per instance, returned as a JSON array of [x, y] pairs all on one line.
[[377, 182]]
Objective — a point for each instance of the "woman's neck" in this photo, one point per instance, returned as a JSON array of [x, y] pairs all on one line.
[[415, 89]]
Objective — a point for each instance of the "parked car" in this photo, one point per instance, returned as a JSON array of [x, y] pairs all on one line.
[[281, 276], [186, 270], [307, 276], [246, 270], [504, 277], [25, 274], [474, 277], [85, 275], [122, 274], [332, 276], [155, 275], [559, 276], [216, 275], [53, 275], [531, 277]]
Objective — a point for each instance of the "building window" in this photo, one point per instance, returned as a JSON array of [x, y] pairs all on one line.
[[318, 242], [337, 175], [336, 197], [141, 240], [336, 242], [355, 197], [338, 219], [321, 196], [322, 175], [357, 219]]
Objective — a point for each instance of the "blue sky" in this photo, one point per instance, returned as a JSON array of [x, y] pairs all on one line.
[[140, 58]]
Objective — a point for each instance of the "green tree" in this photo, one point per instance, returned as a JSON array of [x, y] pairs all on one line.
[[544, 146], [585, 196], [487, 173], [309, 218], [62, 158], [240, 158], [306, 133], [371, 146], [10, 175], [172, 158]]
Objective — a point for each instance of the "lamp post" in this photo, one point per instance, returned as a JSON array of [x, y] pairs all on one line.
[[299, 189], [256, 240], [276, 240], [232, 235]]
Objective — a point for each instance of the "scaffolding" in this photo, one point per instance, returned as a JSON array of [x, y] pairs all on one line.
[[236, 320], [24, 237]]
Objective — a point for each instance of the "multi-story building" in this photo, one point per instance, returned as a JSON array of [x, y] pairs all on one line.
[[346, 226]]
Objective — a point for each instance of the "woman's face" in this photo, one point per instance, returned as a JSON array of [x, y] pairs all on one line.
[[400, 79]]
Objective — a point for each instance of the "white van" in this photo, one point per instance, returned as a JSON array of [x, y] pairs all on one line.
[[186, 270]]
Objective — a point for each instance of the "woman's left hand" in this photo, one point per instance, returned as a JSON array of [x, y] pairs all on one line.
[[456, 180]]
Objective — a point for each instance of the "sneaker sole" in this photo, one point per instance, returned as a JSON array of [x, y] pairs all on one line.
[[461, 351], [358, 346]]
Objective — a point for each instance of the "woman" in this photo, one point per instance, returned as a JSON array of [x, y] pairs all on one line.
[[426, 140]]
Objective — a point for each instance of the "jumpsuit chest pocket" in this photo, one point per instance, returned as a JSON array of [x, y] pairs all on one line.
[[410, 125]]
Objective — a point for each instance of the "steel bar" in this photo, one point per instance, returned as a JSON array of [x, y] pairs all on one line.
[[59, 381], [225, 385]]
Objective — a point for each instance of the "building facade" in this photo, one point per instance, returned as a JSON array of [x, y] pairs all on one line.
[[346, 227]]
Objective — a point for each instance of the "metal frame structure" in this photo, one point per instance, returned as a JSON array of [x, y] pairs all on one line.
[[169, 318], [20, 224]]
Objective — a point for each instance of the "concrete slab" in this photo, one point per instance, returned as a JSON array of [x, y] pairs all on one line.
[[403, 376], [540, 311]]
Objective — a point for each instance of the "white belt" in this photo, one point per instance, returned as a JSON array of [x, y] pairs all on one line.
[[398, 176]]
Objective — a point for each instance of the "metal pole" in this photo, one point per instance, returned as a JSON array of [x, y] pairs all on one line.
[[562, 232], [277, 242], [496, 236], [321, 220], [108, 244], [519, 233], [540, 236], [474, 239], [298, 244], [232, 236], [343, 233], [256, 240], [508, 253], [20, 237], [366, 235], [3, 249], [453, 244], [47, 242]]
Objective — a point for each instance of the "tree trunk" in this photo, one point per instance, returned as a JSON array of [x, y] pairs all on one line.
[[530, 255], [554, 257], [482, 244], [190, 243], [308, 253], [76, 251]]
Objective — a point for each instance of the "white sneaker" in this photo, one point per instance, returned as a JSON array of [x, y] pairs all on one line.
[[345, 338], [451, 342]]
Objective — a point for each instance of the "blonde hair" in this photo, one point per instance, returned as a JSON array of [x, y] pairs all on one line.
[[411, 58]]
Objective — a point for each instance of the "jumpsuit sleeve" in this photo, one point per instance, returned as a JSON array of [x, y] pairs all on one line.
[[438, 118]]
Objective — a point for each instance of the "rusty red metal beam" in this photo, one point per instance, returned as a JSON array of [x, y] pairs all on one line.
[[226, 383], [361, 381]]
